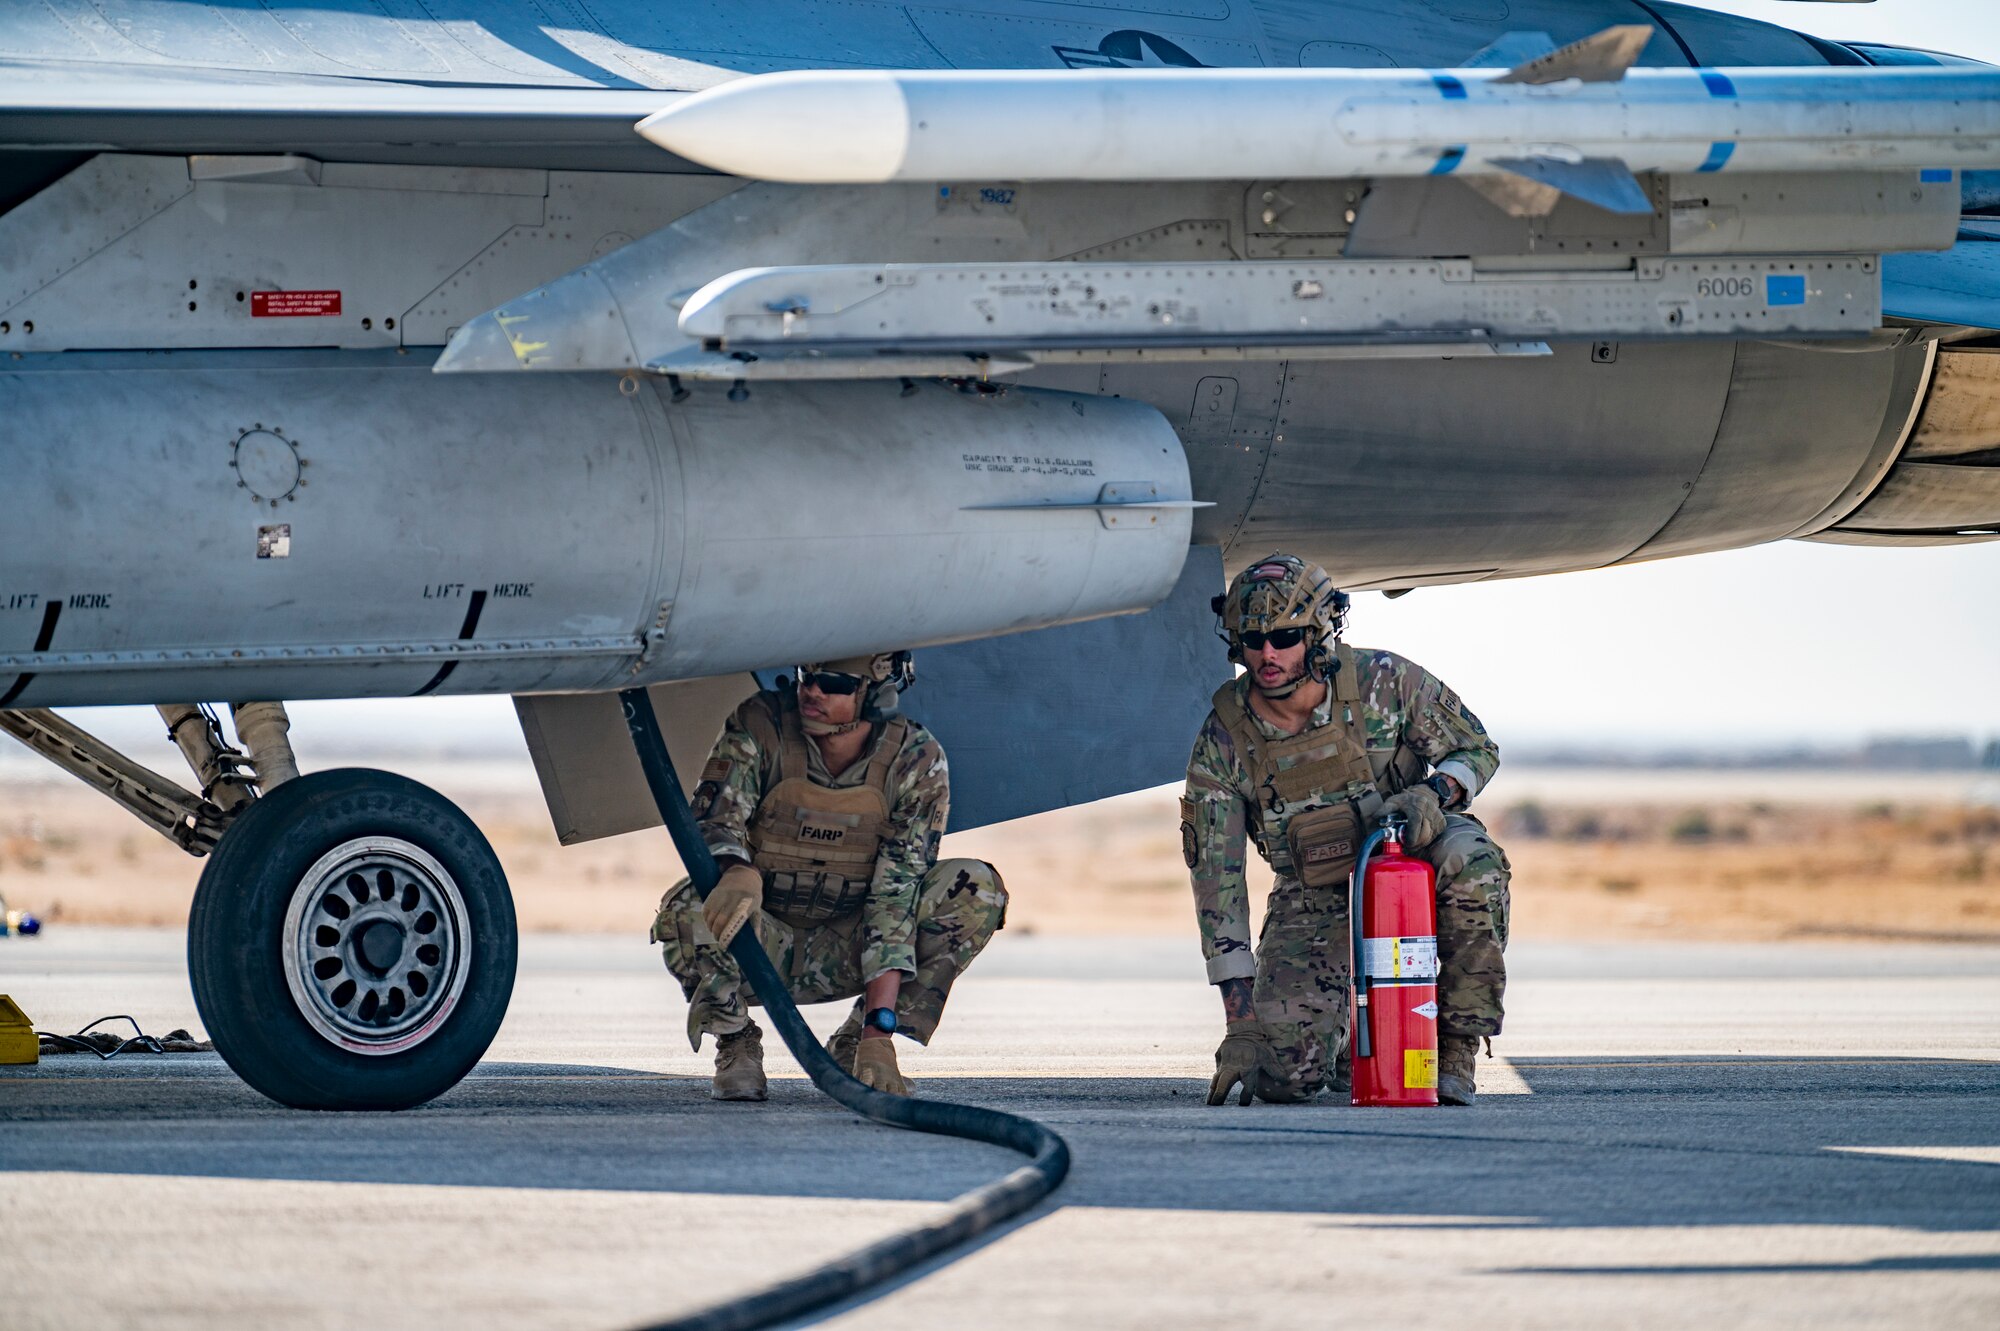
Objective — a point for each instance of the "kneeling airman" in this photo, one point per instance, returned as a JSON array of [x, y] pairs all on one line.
[[1301, 753]]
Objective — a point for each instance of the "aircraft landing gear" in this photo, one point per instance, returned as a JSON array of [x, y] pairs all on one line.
[[352, 942]]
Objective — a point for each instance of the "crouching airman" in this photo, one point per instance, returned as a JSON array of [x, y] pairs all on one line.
[[824, 806]]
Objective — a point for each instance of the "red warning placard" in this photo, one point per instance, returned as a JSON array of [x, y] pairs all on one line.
[[293, 304]]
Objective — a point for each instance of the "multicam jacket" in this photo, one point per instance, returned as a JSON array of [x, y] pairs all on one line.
[[740, 772], [1414, 725]]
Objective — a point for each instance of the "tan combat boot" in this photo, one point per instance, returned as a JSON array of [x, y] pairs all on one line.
[[739, 1066], [845, 1041], [1457, 1055]]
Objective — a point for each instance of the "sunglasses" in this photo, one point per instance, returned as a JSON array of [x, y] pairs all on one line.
[[831, 682], [1282, 639]]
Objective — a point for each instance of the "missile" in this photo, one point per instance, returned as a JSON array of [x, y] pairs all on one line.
[[1555, 121]]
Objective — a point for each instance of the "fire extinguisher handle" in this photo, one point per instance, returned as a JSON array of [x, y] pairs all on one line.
[[1357, 917]]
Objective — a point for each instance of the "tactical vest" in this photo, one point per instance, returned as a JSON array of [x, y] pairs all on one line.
[[816, 846], [1301, 816]]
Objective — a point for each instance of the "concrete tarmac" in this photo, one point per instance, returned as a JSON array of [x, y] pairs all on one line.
[[1747, 1136]]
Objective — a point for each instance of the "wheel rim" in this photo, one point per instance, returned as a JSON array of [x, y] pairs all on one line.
[[376, 945]]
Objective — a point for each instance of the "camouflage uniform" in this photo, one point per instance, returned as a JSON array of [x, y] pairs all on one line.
[[1300, 967], [923, 917]]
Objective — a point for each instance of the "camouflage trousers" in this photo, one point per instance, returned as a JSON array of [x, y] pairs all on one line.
[[1301, 990], [960, 905]]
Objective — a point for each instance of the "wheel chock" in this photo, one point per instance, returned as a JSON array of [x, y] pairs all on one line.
[[18, 1042]]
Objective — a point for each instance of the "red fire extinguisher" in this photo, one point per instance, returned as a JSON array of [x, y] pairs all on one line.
[[1394, 927]]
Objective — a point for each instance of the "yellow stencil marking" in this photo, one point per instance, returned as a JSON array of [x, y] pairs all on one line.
[[524, 350]]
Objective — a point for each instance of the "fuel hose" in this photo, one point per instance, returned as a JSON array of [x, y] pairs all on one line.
[[970, 1214]]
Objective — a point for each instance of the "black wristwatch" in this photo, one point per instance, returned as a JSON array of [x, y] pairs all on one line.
[[882, 1019], [1441, 786]]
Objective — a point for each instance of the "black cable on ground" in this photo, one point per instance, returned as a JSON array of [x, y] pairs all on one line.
[[107, 1046], [970, 1215]]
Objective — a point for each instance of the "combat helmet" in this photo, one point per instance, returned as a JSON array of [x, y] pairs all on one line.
[[886, 674], [1282, 591]]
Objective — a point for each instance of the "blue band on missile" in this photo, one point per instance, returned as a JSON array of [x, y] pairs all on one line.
[[1934, 176], [1453, 90], [1448, 161], [1718, 85]]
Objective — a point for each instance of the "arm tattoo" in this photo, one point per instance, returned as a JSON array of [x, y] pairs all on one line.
[[1236, 1004]]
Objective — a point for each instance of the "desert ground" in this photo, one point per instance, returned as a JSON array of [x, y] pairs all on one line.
[[1596, 854]]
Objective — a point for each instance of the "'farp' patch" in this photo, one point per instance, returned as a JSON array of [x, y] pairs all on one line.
[[1190, 844], [1331, 851]]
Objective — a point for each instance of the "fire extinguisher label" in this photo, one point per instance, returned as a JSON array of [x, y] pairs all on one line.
[[1420, 1069], [1400, 958]]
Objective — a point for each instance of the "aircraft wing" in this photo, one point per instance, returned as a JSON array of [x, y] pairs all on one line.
[[356, 120]]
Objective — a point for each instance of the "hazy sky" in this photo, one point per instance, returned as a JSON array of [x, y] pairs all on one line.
[[1791, 641]]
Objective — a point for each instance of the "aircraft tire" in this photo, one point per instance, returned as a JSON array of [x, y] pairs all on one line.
[[352, 943]]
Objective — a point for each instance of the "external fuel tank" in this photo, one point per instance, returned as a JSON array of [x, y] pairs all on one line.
[[310, 528]]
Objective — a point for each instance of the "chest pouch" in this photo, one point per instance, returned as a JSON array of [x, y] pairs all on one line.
[[1325, 843], [813, 898]]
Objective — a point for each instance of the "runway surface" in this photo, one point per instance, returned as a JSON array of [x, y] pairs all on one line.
[[1744, 1136]]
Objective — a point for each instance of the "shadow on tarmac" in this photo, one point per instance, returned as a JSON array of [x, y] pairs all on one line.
[[1599, 1142], [1939, 1263]]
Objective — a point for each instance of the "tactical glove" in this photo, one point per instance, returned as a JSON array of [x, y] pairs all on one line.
[[1422, 814], [1243, 1054], [875, 1065], [733, 902]]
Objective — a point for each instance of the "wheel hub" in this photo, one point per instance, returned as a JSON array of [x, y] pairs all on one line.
[[379, 946], [376, 945]]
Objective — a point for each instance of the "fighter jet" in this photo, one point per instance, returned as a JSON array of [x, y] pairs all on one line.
[[374, 350]]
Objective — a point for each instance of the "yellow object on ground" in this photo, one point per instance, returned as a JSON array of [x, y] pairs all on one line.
[[18, 1043]]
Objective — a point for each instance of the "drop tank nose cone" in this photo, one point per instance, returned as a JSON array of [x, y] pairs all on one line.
[[805, 125]]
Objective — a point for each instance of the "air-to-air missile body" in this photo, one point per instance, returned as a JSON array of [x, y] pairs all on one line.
[[461, 351]]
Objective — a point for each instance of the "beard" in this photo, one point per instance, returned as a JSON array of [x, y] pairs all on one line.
[[1283, 688]]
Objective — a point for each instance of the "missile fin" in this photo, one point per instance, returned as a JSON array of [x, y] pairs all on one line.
[[1604, 182], [1600, 58], [1512, 50]]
